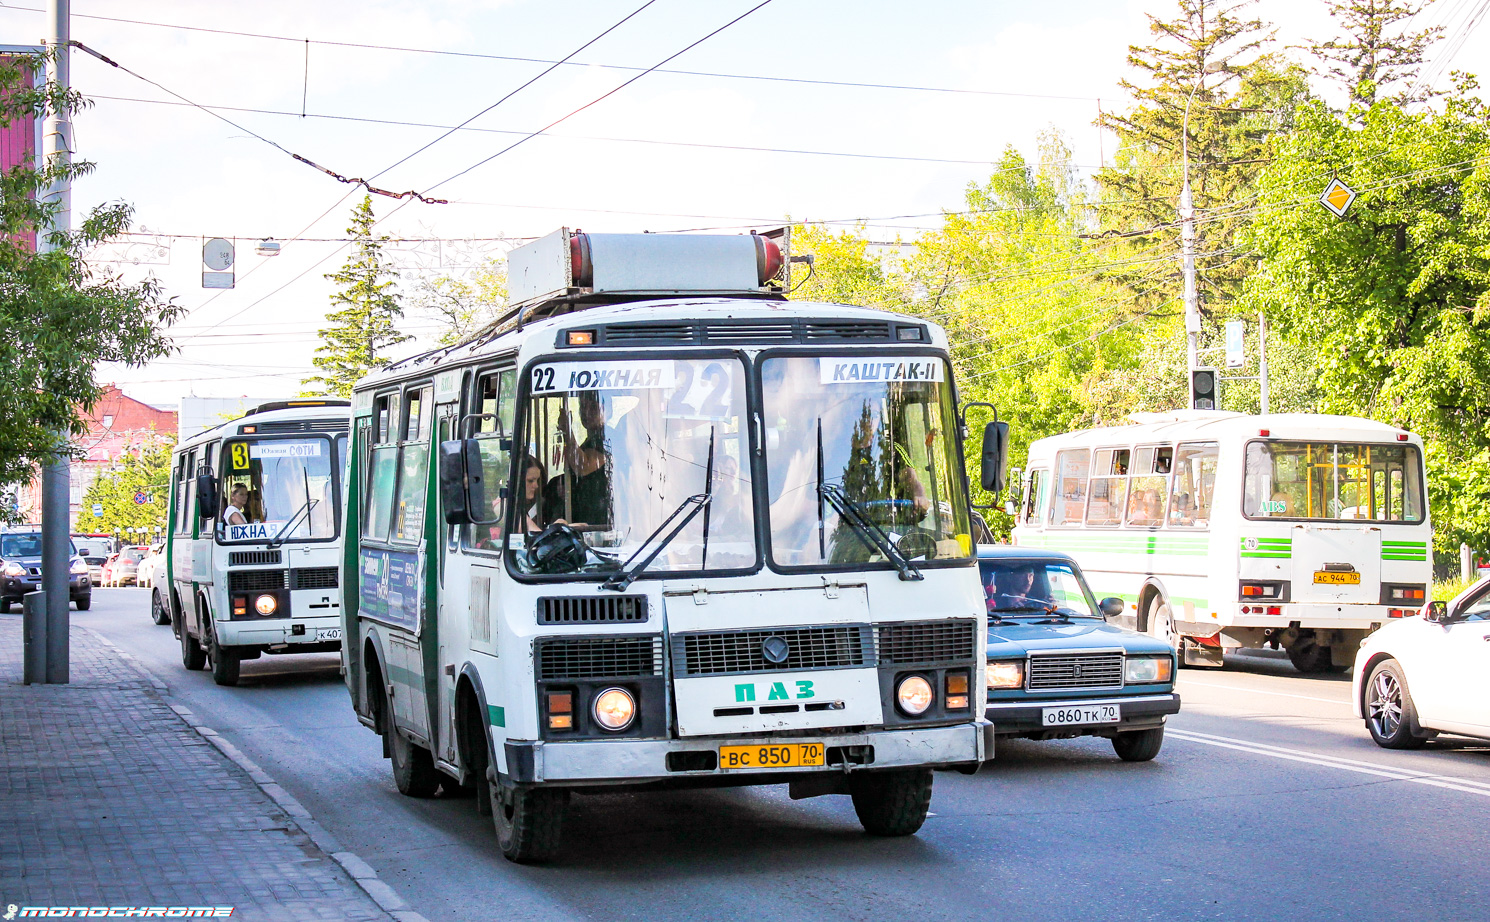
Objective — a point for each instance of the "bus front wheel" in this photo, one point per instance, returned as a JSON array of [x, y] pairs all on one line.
[[1161, 622], [891, 803], [225, 660], [192, 656], [529, 821]]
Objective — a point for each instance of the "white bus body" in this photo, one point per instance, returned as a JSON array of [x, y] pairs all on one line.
[[770, 651], [270, 583], [1222, 531]]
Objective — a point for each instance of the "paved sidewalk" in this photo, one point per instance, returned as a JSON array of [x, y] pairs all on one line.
[[109, 798]]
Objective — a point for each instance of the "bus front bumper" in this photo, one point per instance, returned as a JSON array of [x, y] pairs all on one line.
[[640, 761], [279, 631]]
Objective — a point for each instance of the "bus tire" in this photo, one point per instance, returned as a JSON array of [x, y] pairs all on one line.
[[891, 803], [158, 612], [414, 770], [1311, 658], [1161, 622], [192, 655], [225, 660], [529, 821], [1138, 745]]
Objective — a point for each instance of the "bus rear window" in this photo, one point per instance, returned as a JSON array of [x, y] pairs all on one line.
[[1333, 481]]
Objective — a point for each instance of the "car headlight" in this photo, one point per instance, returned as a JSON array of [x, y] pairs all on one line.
[[80, 566], [266, 604], [614, 709], [1006, 674], [14, 569], [1147, 670], [913, 695]]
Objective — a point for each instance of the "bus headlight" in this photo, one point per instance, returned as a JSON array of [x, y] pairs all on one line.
[[913, 695], [266, 604], [614, 709], [1147, 670], [1006, 674]]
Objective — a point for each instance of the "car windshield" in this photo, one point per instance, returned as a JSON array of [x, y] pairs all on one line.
[[874, 437], [135, 554], [20, 545], [268, 484], [614, 448], [1015, 587]]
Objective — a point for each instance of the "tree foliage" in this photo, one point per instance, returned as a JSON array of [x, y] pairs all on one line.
[[60, 315], [463, 306], [144, 468], [1378, 49], [365, 324]]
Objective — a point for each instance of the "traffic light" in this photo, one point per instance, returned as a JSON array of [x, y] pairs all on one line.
[[1203, 384]]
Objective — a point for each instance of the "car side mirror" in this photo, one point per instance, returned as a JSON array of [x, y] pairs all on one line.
[[1436, 611], [206, 495], [1111, 607], [453, 483], [995, 467]]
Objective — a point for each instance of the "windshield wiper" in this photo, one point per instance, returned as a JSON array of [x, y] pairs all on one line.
[[628, 574], [310, 504], [703, 563], [871, 534]]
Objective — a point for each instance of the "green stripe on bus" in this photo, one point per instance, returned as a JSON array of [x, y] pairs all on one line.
[[1404, 544], [496, 716], [1404, 556], [1261, 554], [403, 676]]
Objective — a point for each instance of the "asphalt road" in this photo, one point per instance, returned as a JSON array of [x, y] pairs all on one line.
[[1269, 801]]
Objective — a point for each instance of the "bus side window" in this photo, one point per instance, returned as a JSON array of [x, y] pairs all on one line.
[[1149, 487], [382, 479], [1071, 468], [416, 414], [385, 418], [1034, 500], [183, 518], [1194, 483], [1109, 487], [496, 399]]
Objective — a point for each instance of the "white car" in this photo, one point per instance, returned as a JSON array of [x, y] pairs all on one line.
[[1429, 674], [145, 574]]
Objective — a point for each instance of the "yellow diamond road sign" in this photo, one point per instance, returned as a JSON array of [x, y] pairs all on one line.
[[1337, 197]]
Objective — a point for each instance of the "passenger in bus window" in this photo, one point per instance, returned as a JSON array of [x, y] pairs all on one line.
[[1183, 512], [237, 504], [581, 497], [728, 512], [530, 508]]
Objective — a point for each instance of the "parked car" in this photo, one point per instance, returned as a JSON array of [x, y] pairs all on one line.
[[1428, 674], [145, 573], [122, 568], [1057, 669], [20, 571], [106, 572]]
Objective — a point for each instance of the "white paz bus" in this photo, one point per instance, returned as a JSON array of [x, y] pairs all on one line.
[[661, 528], [1221, 531], [254, 545]]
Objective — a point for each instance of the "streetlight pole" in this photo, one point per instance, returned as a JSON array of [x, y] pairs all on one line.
[[56, 547], [1187, 240]]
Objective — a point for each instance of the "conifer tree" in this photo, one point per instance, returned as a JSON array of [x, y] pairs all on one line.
[[365, 324], [1376, 50]]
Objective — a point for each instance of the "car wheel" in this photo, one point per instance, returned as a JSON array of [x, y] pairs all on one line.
[[158, 612], [4, 606], [891, 803], [1390, 713], [1138, 745], [529, 821], [1311, 658], [85, 603]]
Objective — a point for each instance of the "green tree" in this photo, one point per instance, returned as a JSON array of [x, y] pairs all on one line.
[[60, 315], [463, 306], [1394, 299], [1378, 49], [145, 468], [365, 325]]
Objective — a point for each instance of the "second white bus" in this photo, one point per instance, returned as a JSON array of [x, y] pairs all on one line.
[[1220, 530]]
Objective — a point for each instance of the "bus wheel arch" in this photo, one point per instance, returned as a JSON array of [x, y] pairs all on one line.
[[1152, 590], [473, 737], [375, 689]]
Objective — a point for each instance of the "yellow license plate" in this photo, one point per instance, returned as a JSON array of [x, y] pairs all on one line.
[[773, 755], [1331, 576]]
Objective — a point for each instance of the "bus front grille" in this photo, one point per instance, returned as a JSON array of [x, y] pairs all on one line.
[[625, 609], [256, 580], [1078, 670], [726, 652], [252, 558], [598, 657], [927, 642], [314, 578]]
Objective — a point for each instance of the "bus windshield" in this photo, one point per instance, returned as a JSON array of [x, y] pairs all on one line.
[[873, 436], [614, 448], [269, 484], [1332, 481]]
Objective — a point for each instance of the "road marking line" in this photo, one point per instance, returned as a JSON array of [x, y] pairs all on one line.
[[1258, 691], [1463, 785]]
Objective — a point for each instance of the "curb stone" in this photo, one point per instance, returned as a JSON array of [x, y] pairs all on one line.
[[360, 871]]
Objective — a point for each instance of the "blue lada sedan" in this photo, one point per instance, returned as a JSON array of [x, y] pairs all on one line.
[[1057, 669]]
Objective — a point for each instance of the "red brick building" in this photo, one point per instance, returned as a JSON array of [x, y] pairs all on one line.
[[118, 424]]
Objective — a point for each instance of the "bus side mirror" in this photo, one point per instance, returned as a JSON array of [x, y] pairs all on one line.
[[453, 483], [1112, 606], [206, 496], [995, 456]]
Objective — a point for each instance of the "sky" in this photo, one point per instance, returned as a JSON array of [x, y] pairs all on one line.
[[746, 139]]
